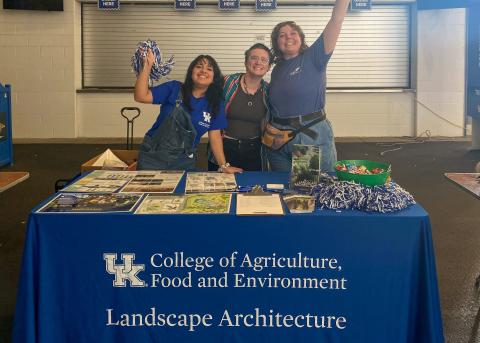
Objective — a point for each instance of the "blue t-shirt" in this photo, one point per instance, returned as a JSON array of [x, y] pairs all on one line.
[[298, 85], [203, 120]]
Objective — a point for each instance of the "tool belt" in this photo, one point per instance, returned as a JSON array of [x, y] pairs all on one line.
[[275, 138]]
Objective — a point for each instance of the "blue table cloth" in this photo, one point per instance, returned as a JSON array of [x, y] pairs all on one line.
[[325, 276]]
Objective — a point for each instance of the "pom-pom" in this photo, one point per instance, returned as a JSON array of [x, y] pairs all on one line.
[[159, 68], [336, 195]]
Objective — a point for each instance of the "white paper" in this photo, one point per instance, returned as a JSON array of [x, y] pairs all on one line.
[[260, 205], [110, 159]]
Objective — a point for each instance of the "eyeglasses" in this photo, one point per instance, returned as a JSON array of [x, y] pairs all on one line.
[[258, 59]]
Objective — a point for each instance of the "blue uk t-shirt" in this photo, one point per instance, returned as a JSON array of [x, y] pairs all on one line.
[[203, 120], [298, 85]]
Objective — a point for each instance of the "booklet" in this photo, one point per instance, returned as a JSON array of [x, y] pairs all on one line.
[[259, 205]]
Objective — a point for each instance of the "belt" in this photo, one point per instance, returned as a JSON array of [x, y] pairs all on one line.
[[295, 121], [242, 140], [298, 125]]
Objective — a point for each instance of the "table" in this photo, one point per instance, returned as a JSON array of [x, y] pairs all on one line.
[[374, 281], [10, 179]]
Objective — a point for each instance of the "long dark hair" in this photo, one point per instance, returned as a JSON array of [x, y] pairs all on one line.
[[276, 32], [214, 92]]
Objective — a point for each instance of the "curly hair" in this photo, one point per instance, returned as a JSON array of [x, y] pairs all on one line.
[[278, 55], [214, 92]]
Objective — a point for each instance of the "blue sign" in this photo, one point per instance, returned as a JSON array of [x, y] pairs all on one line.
[[109, 4], [360, 5], [265, 5], [185, 4], [228, 4], [473, 62], [6, 147]]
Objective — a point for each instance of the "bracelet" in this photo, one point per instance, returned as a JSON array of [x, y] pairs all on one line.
[[223, 167]]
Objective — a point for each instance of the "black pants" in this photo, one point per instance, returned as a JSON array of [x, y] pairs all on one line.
[[245, 154]]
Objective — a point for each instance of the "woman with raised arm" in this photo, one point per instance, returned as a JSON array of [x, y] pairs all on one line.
[[298, 86], [188, 111]]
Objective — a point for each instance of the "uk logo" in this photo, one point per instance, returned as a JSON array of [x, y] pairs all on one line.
[[296, 71], [123, 272], [207, 117]]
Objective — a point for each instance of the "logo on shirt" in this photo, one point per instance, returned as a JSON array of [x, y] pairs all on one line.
[[123, 272], [207, 117], [296, 71]]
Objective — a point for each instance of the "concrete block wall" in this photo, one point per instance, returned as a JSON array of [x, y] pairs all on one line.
[[37, 60]]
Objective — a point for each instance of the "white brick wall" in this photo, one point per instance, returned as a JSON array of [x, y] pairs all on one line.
[[36, 49]]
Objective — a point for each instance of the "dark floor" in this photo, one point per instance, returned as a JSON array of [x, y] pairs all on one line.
[[419, 168]]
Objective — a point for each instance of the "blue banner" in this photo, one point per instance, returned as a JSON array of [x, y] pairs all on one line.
[[473, 62], [109, 4], [265, 5], [185, 4], [360, 5], [228, 4]]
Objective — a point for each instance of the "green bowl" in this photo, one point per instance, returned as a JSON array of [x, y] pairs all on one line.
[[364, 179]]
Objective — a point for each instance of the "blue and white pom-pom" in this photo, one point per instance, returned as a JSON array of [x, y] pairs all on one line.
[[159, 68], [336, 195]]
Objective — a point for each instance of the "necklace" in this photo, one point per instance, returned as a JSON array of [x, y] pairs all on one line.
[[247, 92]]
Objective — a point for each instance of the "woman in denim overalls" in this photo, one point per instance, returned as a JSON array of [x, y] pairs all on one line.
[[188, 111]]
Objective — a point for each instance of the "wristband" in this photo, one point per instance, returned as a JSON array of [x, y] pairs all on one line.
[[223, 167]]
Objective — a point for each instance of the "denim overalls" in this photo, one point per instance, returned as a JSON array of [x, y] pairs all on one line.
[[170, 147]]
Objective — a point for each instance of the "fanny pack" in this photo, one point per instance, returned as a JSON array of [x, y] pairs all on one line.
[[275, 138]]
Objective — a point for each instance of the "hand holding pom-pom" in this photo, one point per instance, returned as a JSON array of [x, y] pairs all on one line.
[[148, 55]]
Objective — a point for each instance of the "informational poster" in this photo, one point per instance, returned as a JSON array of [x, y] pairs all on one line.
[[265, 5], [473, 62], [227, 5], [109, 4], [185, 4], [360, 5]]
